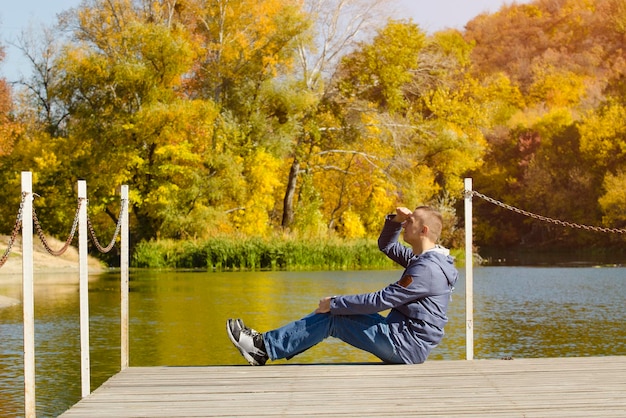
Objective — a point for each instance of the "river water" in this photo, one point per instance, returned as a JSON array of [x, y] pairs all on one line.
[[178, 319]]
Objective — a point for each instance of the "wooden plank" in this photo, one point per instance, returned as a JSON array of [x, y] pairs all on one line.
[[572, 387]]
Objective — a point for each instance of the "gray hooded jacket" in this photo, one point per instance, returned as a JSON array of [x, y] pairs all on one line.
[[418, 301]]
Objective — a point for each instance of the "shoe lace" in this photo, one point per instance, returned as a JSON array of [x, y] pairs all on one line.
[[249, 332]]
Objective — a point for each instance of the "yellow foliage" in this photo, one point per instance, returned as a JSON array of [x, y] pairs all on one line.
[[530, 10], [351, 225], [554, 120], [603, 133], [247, 34], [46, 160], [262, 178], [613, 201], [499, 98], [379, 203], [557, 88], [420, 186], [179, 99]]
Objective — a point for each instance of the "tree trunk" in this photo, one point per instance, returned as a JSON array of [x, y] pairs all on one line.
[[288, 212]]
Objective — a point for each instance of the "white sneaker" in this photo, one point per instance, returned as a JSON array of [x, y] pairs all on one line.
[[248, 341]]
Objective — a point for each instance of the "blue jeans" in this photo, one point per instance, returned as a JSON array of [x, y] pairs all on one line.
[[370, 333]]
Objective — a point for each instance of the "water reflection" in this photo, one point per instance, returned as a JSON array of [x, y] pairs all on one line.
[[56, 329], [178, 319]]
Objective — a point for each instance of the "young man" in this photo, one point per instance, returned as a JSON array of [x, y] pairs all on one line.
[[418, 303]]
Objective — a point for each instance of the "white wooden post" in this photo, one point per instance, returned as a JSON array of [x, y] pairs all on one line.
[[83, 290], [30, 406], [469, 274], [124, 260]]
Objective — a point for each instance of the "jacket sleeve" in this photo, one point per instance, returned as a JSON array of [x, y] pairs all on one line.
[[388, 243], [409, 288]]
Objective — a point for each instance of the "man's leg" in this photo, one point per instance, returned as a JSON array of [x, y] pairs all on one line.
[[366, 332]]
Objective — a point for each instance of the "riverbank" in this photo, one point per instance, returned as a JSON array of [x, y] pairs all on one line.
[[252, 254], [64, 267]]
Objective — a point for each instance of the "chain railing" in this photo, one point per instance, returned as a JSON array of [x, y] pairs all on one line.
[[45, 242], [69, 239], [118, 227], [16, 230], [545, 218]]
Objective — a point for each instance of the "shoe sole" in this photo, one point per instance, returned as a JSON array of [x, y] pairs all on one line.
[[243, 352]]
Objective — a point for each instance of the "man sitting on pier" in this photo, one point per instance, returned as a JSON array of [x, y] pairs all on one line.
[[418, 303]]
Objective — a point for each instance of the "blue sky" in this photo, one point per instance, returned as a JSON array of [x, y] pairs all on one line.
[[431, 15], [434, 15]]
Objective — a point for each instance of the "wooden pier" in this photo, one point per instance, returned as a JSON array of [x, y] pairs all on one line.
[[554, 387]]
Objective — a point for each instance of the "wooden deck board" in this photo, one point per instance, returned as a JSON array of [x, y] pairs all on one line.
[[556, 387]]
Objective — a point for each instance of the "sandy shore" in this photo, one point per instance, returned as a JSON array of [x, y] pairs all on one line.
[[43, 263], [6, 301]]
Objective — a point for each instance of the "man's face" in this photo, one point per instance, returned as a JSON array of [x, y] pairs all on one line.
[[413, 227]]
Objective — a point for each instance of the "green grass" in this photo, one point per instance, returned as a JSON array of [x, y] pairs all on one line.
[[226, 254]]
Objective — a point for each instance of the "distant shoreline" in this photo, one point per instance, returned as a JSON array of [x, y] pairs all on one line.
[[43, 261], [64, 268], [6, 301]]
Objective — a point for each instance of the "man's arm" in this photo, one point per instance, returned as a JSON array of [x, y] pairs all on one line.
[[402, 214], [389, 236]]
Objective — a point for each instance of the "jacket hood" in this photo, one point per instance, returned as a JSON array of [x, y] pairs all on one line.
[[445, 261]]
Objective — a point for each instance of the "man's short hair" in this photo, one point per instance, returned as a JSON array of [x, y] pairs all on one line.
[[433, 219]]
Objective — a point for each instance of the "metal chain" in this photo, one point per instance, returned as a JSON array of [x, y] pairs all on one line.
[[544, 218], [117, 231], [69, 239], [16, 229]]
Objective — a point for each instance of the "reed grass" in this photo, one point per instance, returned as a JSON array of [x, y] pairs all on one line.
[[227, 253]]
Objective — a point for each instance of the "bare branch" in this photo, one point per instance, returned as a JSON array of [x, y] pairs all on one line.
[[332, 168], [367, 157], [41, 49], [340, 25]]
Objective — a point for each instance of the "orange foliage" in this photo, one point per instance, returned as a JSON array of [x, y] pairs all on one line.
[[9, 128], [584, 37]]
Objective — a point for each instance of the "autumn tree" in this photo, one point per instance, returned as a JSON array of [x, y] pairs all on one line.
[[9, 127], [11, 130], [40, 89], [519, 38], [603, 142], [243, 47], [566, 58], [338, 26], [422, 126], [263, 117], [182, 99], [130, 122]]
